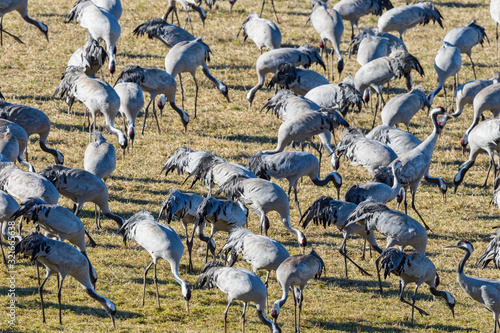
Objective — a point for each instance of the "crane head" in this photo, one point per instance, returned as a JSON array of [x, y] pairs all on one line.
[[161, 102], [340, 66], [464, 142], [463, 244]]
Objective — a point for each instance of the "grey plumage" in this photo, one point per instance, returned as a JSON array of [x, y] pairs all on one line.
[[100, 157], [91, 56], [401, 108], [131, 103], [299, 81], [8, 128], [262, 32], [184, 160], [186, 5], [343, 95], [492, 251], [168, 34], [370, 44], [495, 15], [466, 92], [7, 6]]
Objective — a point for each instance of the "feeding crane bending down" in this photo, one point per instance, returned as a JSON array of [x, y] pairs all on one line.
[[466, 37], [495, 15], [492, 252], [269, 62], [262, 197], [413, 267], [299, 81], [187, 57], [155, 82], [485, 291], [184, 160], [185, 206], [466, 92], [484, 137], [402, 18], [161, 241], [401, 108], [342, 96], [7, 6], [328, 24], [262, 31], [291, 165], [96, 94], [13, 129], [446, 63], [100, 23], [353, 10], [238, 284], [186, 5], [63, 259], [401, 142], [131, 103], [294, 272]]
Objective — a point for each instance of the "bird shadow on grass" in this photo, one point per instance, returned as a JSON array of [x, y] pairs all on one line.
[[36, 98], [462, 5], [245, 138], [356, 327], [87, 310], [141, 180], [140, 56]]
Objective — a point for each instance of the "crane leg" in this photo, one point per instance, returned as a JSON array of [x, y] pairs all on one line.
[[296, 198], [243, 317], [364, 250], [492, 163], [416, 211], [182, 91], [195, 96], [155, 279], [352, 35], [266, 283], [177, 17], [473, 69], [375, 112], [343, 252], [401, 298], [497, 39], [156, 118], [92, 242], [332, 64], [189, 245], [146, 115], [40, 290], [3, 254], [301, 299], [225, 316], [264, 2], [59, 298], [144, 283], [378, 273], [294, 309]]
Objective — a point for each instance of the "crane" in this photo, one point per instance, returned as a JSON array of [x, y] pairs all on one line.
[[112, 6], [186, 5], [466, 37], [168, 34], [343, 95], [161, 241], [187, 57], [262, 32], [485, 291], [401, 108], [413, 267], [8, 206], [13, 129], [100, 23], [294, 272], [371, 44], [446, 63], [7, 6], [9, 145], [96, 94], [184, 160], [63, 259], [238, 284], [131, 103], [299, 81]]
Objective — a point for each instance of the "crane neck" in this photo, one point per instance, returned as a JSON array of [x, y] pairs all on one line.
[[461, 264], [267, 322], [331, 177]]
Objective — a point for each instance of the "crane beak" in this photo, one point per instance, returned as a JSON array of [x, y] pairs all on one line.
[[450, 246], [113, 320], [302, 249], [187, 306]]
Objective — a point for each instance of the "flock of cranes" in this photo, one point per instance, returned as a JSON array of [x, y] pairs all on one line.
[[309, 106]]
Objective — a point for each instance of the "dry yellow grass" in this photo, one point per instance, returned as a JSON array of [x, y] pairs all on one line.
[[31, 73]]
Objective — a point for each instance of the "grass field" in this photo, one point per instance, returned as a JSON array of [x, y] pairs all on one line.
[[30, 74]]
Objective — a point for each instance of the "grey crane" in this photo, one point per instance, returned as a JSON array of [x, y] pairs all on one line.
[[492, 252], [413, 267], [9, 146], [300, 81], [483, 290], [483, 137], [262, 32], [291, 165], [446, 63], [402, 142], [112, 6], [287, 104], [100, 23], [168, 34], [378, 192], [401, 108], [466, 92], [325, 211], [328, 24], [343, 95], [155, 82], [24, 185], [7, 6], [296, 271], [96, 94], [63, 259], [80, 186], [416, 162], [161, 241], [187, 57], [362, 151], [380, 71], [495, 15], [487, 99], [262, 196], [466, 37], [402, 18], [131, 103], [186, 5], [10, 128], [8, 206], [184, 160], [261, 252], [371, 44], [185, 206], [33, 121], [353, 10], [268, 62], [238, 284]]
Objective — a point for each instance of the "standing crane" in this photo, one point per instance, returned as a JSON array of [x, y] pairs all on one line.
[[186, 5], [343, 95], [155, 82], [161, 241], [262, 196], [413, 267], [294, 272], [131, 103], [262, 32], [466, 92], [63, 259], [328, 24], [9, 146], [299, 81], [402, 18], [187, 57], [7, 6], [485, 291], [238, 284], [268, 62], [96, 94], [101, 25], [371, 44], [401, 108], [446, 63], [465, 38]]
